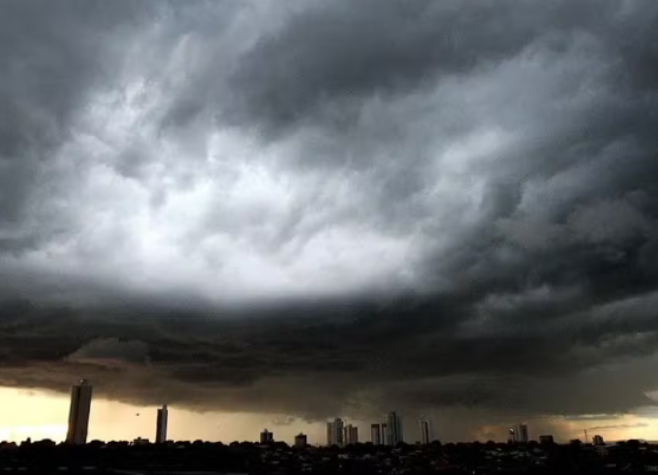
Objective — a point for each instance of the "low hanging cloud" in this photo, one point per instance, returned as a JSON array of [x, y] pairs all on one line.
[[111, 352], [332, 208]]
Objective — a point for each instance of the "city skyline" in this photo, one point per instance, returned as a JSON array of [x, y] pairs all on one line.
[[132, 422], [269, 215]]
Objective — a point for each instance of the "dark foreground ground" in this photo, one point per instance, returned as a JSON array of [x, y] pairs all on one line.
[[197, 458]]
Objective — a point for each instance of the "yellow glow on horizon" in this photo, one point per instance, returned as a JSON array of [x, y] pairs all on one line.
[[44, 415], [41, 414], [55, 432]]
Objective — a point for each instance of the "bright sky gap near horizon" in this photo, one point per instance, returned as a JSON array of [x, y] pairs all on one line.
[[270, 214]]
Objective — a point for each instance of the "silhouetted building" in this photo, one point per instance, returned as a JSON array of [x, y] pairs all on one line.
[[161, 425], [597, 440], [140, 442], [266, 437], [546, 439], [394, 429], [384, 427], [522, 435], [335, 432], [425, 432], [79, 413], [511, 435], [301, 441], [376, 434], [351, 435]]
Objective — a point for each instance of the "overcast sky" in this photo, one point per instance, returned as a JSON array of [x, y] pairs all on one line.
[[332, 208]]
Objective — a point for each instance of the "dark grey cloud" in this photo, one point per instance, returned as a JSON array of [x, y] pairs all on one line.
[[51, 56], [111, 352], [328, 208], [314, 366]]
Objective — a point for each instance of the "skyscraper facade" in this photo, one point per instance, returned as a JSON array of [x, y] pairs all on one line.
[[161, 425], [394, 429], [376, 434], [266, 437], [522, 434], [79, 413], [351, 435], [425, 432], [301, 441], [384, 427], [335, 432]]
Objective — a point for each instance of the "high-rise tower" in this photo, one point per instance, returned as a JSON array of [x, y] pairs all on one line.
[[335, 432], [425, 431], [522, 435], [394, 426], [376, 434], [266, 437], [161, 427], [79, 413], [350, 435]]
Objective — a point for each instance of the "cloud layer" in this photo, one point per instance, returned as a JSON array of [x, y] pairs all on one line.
[[333, 207]]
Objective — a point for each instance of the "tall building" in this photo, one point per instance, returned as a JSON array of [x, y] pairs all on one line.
[[394, 429], [597, 440], [266, 437], [335, 432], [161, 425], [522, 434], [350, 435], [384, 427], [79, 413], [376, 434], [301, 441], [425, 432], [512, 435]]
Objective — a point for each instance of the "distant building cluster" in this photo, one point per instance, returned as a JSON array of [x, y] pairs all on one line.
[[340, 434], [386, 433], [381, 433]]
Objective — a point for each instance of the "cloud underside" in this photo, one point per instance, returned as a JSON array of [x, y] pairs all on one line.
[[320, 208]]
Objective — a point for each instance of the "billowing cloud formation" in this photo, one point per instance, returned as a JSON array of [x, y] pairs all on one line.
[[111, 352], [332, 207]]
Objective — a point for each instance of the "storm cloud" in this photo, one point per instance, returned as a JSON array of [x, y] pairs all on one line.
[[327, 208]]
